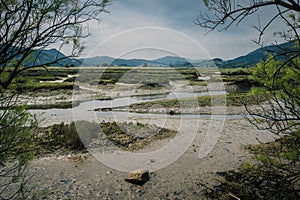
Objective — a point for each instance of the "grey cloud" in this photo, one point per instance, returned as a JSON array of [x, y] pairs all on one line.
[[178, 15]]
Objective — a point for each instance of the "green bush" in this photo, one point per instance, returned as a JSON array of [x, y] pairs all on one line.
[[16, 150], [276, 175]]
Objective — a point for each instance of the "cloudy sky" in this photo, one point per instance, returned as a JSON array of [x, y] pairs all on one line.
[[151, 29]]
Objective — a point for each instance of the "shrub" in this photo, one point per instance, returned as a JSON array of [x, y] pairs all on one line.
[[276, 175], [16, 136]]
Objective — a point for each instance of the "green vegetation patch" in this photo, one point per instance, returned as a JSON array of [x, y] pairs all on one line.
[[46, 86], [50, 71], [106, 82], [63, 138], [237, 99], [132, 137], [235, 71], [70, 80], [151, 86], [276, 174], [59, 139], [60, 105], [30, 80], [198, 83], [112, 76], [286, 148], [39, 79]]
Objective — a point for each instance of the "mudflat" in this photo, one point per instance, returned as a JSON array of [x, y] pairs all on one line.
[[81, 176]]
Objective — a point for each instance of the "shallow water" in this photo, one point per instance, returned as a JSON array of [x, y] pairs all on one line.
[[86, 110]]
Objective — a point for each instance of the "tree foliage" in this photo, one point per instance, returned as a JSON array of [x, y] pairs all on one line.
[[280, 81], [16, 134], [279, 74], [276, 174], [28, 26]]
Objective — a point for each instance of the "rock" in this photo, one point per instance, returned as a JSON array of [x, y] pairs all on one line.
[[138, 177], [105, 109], [172, 112]]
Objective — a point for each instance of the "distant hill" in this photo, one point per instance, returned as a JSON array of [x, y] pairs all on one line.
[[173, 61], [44, 57], [164, 61], [128, 62], [96, 61], [258, 55]]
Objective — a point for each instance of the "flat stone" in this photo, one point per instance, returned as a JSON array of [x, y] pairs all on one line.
[[138, 177]]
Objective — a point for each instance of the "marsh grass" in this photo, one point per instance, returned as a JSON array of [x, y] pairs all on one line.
[[133, 137], [57, 139], [236, 99], [46, 86], [198, 83], [274, 175], [151, 86], [59, 105], [64, 138], [31, 79]]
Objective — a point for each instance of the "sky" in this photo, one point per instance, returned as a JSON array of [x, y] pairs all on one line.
[[156, 28]]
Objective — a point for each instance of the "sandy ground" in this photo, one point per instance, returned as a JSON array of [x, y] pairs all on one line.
[[81, 176]]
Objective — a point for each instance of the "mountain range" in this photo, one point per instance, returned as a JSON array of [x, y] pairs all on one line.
[[250, 59], [164, 61]]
